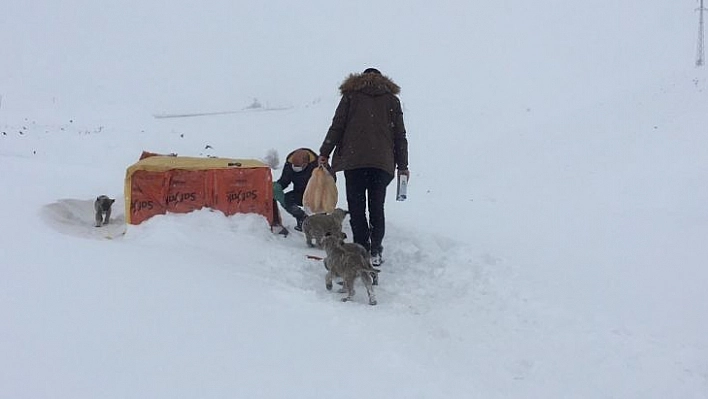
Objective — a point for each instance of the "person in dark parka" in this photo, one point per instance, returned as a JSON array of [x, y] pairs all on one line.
[[297, 170], [369, 141]]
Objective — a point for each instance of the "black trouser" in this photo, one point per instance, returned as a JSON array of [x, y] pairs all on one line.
[[363, 184], [293, 202]]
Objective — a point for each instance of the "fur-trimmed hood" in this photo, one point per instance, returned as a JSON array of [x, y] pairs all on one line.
[[298, 179], [369, 83], [311, 154], [367, 129]]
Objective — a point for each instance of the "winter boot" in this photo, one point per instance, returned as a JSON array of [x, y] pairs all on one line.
[[300, 220], [280, 230], [376, 258], [299, 215]]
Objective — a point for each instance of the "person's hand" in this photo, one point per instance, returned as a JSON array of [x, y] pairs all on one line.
[[322, 160], [404, 172]]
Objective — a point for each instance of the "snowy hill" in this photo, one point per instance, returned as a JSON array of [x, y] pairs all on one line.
[[552, 244]]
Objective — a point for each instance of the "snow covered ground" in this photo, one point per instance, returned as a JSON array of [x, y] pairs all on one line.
[[552, 246]]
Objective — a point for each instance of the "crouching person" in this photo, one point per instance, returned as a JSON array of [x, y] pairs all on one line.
[[297, 170]]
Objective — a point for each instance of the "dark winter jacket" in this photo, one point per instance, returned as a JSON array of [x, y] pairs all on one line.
[[367, 130], [298, 179]]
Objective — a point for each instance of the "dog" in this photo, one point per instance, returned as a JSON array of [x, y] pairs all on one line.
[[354, 247], [317, 226], [102, 206], [348, 262]]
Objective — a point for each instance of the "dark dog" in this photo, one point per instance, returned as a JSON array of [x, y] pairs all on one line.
[[102, 206]]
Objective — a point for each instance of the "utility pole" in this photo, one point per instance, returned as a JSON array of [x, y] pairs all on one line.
[[701, 55]]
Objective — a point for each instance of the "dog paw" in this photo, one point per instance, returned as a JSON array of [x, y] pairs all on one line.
[[372, 302], [345, 299]]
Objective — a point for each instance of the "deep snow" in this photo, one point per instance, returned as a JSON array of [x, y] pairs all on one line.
[[553, 242]]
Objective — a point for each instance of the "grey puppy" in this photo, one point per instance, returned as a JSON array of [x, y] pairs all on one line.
[[102, 206], [316, 226], [348, 262], [354, 247]]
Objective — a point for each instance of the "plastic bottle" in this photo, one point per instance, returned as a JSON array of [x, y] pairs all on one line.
[[402, 188]]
